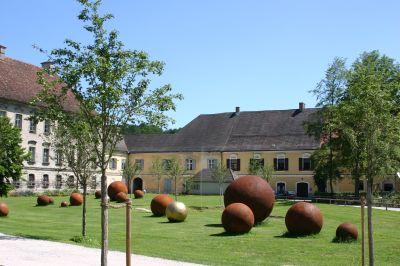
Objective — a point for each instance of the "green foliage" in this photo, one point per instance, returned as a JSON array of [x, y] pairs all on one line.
[[145, 128], [264, 171], [322, 166], [158, 170], [176, 171], [12, 155]]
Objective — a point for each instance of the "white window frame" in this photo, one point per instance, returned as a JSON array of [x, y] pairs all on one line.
[[32, 159], [46, 127], [190, 164], [212, 163], [46, 156], [18, 121]]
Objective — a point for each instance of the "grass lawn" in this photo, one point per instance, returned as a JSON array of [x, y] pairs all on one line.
[[201, 238]]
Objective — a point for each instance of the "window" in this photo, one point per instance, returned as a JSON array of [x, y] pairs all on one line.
[[166, 164], [139, 164], [3, 113], [190, 164], [31, 181], [256, 163], [58, 158], [18, 121], [46, 127], [71, 181], [58, 181], [212, 163], [32, 154], [361, 185], [46, 156], [305, 162], [45, 181], [233, 163], [16, 183], [113, 164], [93, 184], [32, 126], [123, 164], [281, 163]]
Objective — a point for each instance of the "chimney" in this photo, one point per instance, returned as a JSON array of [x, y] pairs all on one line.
[[302, 106], [2, 51], [47, 64], [237, 110]]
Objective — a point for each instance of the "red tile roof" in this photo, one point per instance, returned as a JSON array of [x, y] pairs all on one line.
[[18, 83]]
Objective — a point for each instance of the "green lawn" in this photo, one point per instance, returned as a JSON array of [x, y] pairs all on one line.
[[201, 239]]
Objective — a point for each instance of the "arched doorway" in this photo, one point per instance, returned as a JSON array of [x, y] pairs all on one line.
[[280, 188], [302, 189], [137, 184]]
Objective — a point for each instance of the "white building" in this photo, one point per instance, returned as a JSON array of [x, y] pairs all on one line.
[[42, 171]]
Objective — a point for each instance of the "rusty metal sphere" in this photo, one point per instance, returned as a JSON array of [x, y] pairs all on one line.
[[304, 218], [51, 200], [97, 194], [43, 200], [237, 218], [115, 187], [64, 204], [76, 199], [4, 209], [159, 204], [346, 232], [121, 197], [253, 191], [138, 194], [176, 211]]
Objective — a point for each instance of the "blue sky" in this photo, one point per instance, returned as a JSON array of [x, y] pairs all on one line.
[[258, 55]]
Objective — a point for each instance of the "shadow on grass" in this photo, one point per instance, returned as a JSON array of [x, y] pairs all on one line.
[[199, 208], [225, 234], [343, 241], [213, 225], [32, 237], [153, 216], [291, 235]]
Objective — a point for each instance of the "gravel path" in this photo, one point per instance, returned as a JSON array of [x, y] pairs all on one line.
[[15, 251]]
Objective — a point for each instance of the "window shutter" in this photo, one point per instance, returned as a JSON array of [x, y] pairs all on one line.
[[228, 163], [275, 164], [262, 162], [286, 163], [238, 164], [301, 164]]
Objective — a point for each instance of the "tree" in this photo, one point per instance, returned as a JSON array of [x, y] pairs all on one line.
[[130, 171], [111, 84], [158, 170], [12, 155], [329, 92], [176, 172], [219, 173], [257, 168], [369, 121]]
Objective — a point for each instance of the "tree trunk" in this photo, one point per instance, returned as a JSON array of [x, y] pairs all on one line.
[[331, 185], [104, 218], [159, 188], [357, 185], [220, 196], [176, 192], [370, 228], [84, 210]]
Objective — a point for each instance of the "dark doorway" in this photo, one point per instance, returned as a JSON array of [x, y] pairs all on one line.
[[137, 184], [167, 185], [302, 190], [280, 188], [388, 187]]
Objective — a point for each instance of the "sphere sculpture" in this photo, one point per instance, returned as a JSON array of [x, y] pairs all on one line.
[[159, 204], [237, 218], [3, 209], [115, 187], [76, 199], [176, 211], [121, 197], [64, 204], [304, 218], [97, 194], [346, 232], [138, 194], [43, 200], [253, 191], [51, 200]]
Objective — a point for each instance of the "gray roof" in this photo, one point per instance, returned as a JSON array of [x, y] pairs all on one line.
[[246, 131]]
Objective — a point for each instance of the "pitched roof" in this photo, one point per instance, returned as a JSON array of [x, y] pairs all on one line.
[[18, 82], [245, 131]]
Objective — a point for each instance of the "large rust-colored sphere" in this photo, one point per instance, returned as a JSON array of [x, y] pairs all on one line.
[[43, 200], [138, 194], [97, 194], [237, 218], [115, 187], [64, 204], [253, 191], [76, 199], [346, 232], [159, 204], [3, 209], [121, 197], [176, 211], [304, 218], [51, 200]]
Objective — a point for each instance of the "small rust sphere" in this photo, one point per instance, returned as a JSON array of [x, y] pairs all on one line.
[[159, 204], [97, 194], [43, 200], [176, 211], [115, 187], [4, 209], [304, 218], [51, 200], [76, 199], [121, 197], [346, 232], [64, 204], [237, 218], [253, 191], [138, 194]]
